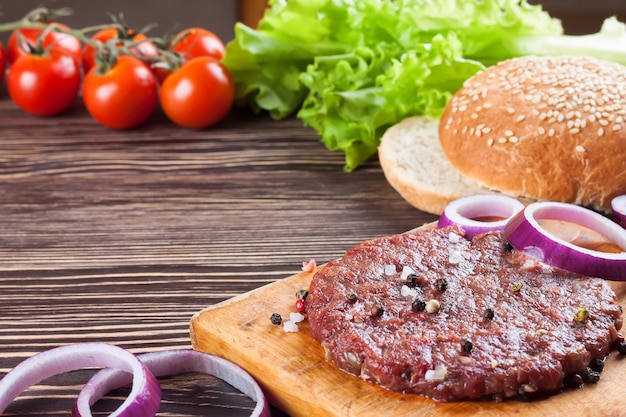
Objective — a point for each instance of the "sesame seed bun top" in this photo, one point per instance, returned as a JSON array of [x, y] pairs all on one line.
[[545, 128]]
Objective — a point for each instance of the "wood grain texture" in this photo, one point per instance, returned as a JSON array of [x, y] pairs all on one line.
[[121, 237], [292, 369]]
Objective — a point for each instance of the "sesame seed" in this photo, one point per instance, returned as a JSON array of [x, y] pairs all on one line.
[[486, 130], [579, 148], [541, 130], [601, 132], [520, 118], [502, 140], [617, 127], [513, 139], [551, 132], [574, 131], [508, 133], [490, 142]]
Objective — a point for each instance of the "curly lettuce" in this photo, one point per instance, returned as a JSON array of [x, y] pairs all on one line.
[[352, 68]]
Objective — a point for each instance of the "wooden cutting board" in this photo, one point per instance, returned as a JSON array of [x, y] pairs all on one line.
[[291, 369]]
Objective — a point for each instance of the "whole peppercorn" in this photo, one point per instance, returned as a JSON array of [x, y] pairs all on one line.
[[575, 380], [489, 314], [377, 311], [411, 280], [418, 304], [441, 284], [433, 306], [352, 297], [581, 315], [276, 319], [596, 365], [302, 294], [300, 307], [621, 348], [508, 247], [466, 346], [592, 376]]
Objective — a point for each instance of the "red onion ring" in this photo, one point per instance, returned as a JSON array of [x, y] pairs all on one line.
[[525, 233], [618, 210], [143, 400], [174, 362], [465, 210]]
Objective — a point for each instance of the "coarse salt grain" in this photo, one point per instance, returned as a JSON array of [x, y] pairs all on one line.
[[407, 291], [454, 238], [290, 327], [455, 257], [390, 269], [406, 271], [296, 317], [438, 374]]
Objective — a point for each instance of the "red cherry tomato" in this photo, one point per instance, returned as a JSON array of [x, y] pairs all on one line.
[[54, 39], [199, 94], [124, 96], [192, 43], [145, 48], [195, 42], [3, 63], [44, 85]]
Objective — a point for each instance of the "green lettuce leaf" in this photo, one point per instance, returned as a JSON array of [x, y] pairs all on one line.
[[352, 68]]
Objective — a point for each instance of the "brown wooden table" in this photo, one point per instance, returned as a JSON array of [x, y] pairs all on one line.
[[121, 237]]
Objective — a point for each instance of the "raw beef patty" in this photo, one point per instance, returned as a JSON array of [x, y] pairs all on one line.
[[433, 313]]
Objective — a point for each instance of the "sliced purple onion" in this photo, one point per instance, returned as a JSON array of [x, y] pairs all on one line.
[[466, 212], [172, 362], [525, 233], [618, 209], [143, 401]]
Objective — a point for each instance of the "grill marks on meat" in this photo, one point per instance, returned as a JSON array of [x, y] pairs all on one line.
[[531, 344]]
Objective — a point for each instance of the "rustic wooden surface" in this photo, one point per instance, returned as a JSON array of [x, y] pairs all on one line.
[[121, 237]]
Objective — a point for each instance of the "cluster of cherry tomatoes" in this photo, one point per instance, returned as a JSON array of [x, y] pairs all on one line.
[[122, 74]]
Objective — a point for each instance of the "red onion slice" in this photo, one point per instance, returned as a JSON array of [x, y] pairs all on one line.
[[525, 233], [618, 208], [174, 362], [466, 212], [143, 400]]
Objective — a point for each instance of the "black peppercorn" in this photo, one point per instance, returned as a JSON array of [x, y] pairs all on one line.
[[466, 346], [508, 247], [489, 314], [575, 380], [302, 294], [621, 348], [418, 304], [592, 376], [352, 297], [276, 319], [411, 280], [441, 284], [596, 365]]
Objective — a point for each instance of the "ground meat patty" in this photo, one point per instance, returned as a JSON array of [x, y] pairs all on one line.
[[505, 323]]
